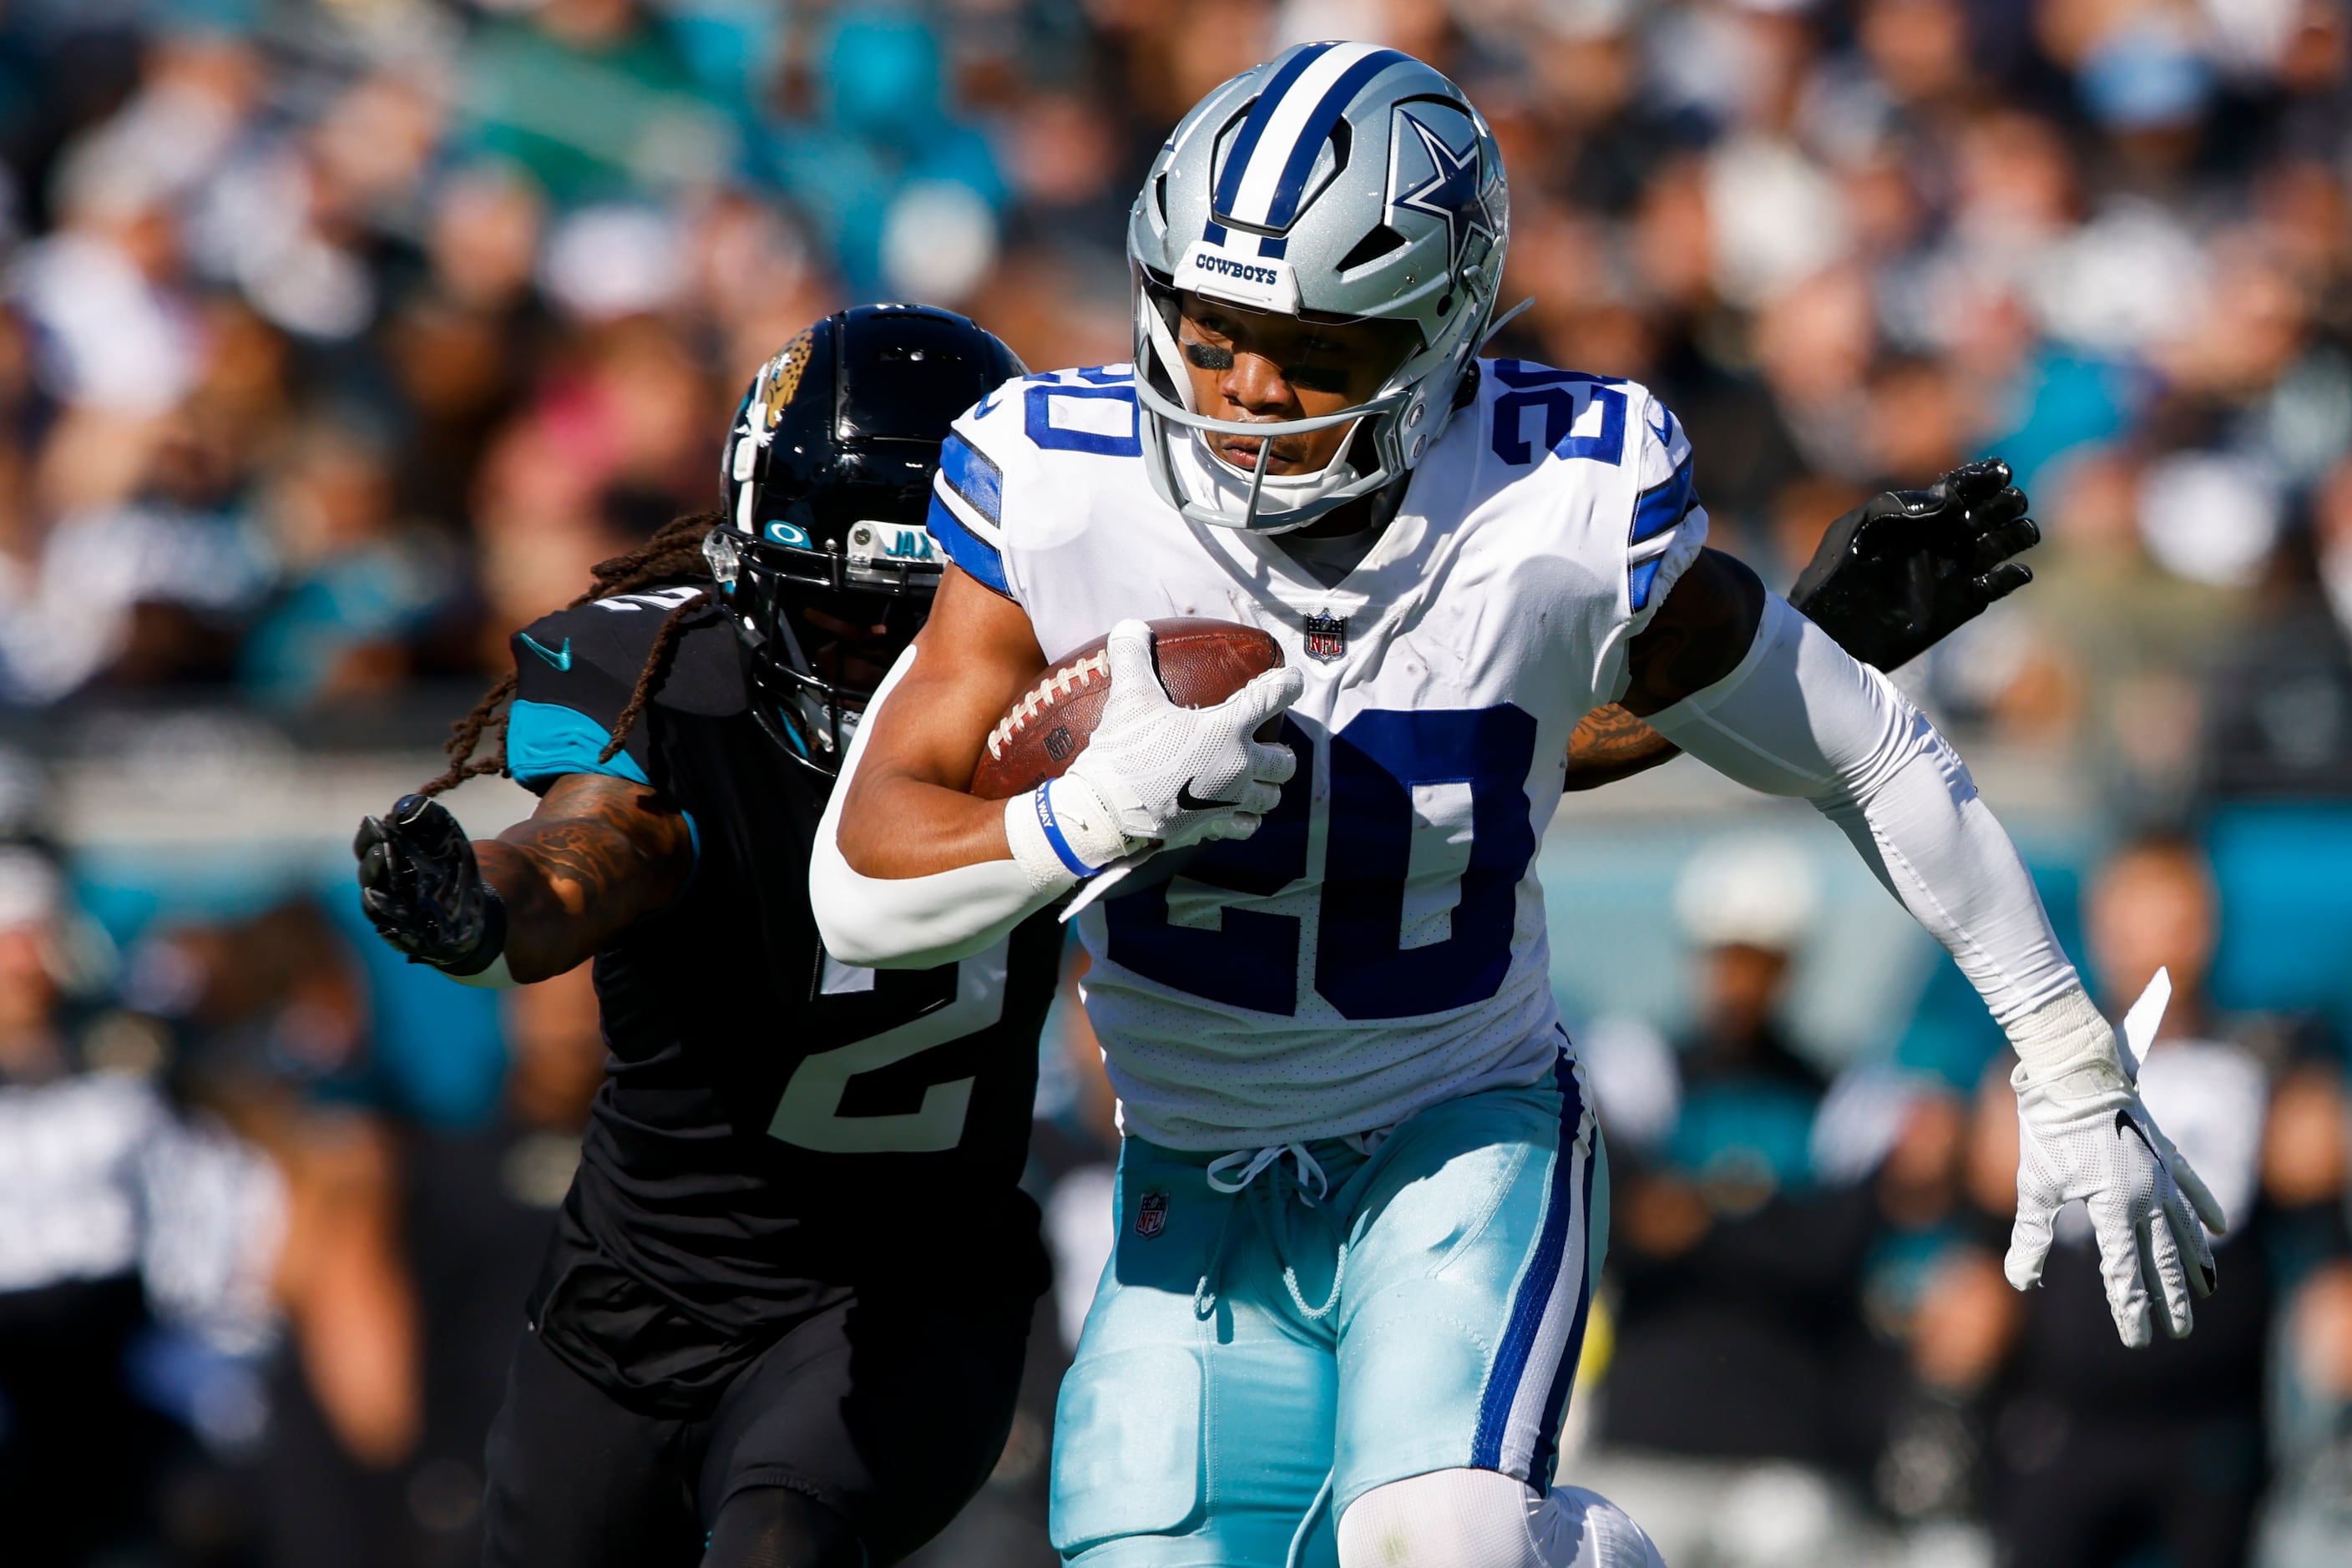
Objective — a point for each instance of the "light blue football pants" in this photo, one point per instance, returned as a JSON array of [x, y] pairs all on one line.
[[1257, 1359]]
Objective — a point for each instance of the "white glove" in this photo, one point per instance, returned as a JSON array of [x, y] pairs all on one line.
[[2083, 1133], [1156, 775]]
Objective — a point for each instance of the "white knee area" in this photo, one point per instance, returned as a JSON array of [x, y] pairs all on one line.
[[1483, 1519]]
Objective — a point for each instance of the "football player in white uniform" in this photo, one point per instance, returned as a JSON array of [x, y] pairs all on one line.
[[1361, 1197]]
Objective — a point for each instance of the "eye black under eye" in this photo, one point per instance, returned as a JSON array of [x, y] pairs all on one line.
[[1208, 356], [1315, 378]]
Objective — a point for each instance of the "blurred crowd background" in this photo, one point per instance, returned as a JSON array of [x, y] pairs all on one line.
[[338, 339]]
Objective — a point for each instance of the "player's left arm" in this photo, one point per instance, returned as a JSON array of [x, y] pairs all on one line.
[[1741, 681], [1891, 579]]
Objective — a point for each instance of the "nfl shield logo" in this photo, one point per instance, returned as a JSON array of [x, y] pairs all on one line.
[[1152, 1214], [1327, 638]]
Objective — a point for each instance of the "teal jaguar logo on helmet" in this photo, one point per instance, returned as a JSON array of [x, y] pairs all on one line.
[[779, 531]]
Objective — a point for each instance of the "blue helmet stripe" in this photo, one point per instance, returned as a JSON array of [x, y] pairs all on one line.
[[1237, 157], [1317, 130]]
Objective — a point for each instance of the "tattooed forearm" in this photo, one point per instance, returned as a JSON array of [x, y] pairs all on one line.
[[1609, 744], [599, 855], [1699, 635]]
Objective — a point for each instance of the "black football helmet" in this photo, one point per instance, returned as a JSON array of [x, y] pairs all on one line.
[[825, 559]]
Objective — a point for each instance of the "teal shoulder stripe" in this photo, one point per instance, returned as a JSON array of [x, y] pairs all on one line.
[[546, 739]]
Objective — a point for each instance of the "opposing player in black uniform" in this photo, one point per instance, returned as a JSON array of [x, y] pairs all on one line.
[[787, 1296], [790, 1287]]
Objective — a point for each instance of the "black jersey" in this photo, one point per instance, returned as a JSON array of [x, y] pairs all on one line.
[[776, 1128]]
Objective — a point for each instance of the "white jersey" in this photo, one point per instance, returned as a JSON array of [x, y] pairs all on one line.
[[1378, 946]]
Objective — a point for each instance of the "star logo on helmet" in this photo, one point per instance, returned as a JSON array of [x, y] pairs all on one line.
[[1451, 192]]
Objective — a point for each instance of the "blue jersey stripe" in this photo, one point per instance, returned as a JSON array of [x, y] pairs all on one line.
[[1237, 156], [978, 558], [1641, 579], [1662, 506], [1534, 1288], [973, 476], [1284, 209]]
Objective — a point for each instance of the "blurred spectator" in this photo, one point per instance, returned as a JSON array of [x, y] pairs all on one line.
[[2106, 664], [1932, 1329], [137, 1247], [356, 584], [593, 98], [905, 191], [2280, 704], [1721, 1419], [269, 1021]]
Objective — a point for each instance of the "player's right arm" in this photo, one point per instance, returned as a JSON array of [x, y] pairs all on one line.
[[600, 854], [606, 847], [911, 869]]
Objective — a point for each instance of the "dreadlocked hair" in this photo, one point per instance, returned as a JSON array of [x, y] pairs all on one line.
[[673, 554]]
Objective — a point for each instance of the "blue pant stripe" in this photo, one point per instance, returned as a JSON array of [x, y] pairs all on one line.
[[1534, 1288], [1563, 1380]]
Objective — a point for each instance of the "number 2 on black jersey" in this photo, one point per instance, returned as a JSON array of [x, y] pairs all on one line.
[[810, 1113]]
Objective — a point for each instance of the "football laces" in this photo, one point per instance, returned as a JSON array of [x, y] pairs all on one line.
[[1078, 675]]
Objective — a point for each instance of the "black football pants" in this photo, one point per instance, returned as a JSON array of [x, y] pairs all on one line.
[[853, 1439]]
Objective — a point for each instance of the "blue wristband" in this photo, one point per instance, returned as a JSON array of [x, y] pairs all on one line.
[[1046, 820]]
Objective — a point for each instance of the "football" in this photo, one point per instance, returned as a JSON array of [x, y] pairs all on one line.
[[1200, 663]]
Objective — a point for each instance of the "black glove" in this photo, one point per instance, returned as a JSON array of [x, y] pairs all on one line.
[[1902, 572], [423, 892]]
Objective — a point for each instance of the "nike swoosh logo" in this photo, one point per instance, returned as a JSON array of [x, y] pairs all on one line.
[[562, 661], [1187, 801], [2124, 1124]]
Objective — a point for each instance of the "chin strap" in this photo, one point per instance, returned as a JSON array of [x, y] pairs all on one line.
[[1504, 319]]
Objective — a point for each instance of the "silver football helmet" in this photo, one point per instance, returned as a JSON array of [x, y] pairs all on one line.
[[1340, 182]]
